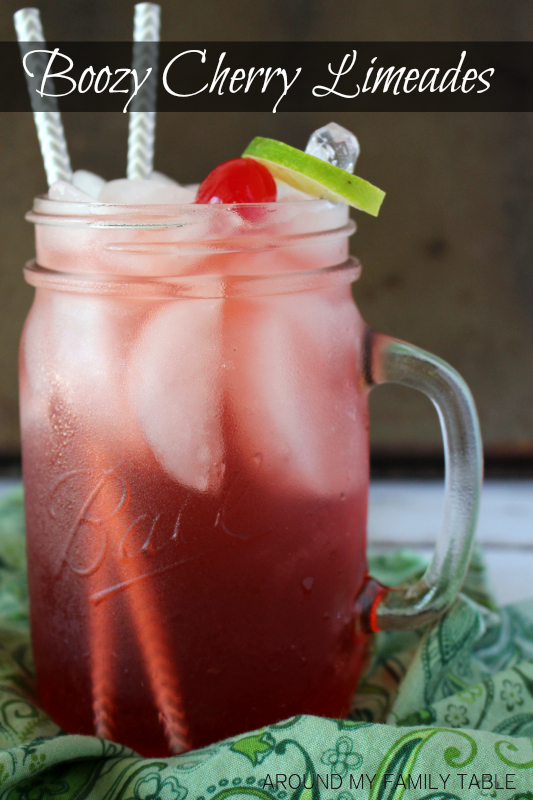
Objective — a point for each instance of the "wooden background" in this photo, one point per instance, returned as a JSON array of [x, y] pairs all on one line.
[[448, 265]]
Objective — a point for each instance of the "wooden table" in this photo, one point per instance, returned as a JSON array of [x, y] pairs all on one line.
[[404, 512]]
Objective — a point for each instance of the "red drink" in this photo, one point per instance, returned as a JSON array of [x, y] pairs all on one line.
[[196, 472], [257, 608]]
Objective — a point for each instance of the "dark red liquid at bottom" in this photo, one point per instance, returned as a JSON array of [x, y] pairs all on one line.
[[156, 609]]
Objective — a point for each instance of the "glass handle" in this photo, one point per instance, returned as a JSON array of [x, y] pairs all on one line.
[[392, 361]]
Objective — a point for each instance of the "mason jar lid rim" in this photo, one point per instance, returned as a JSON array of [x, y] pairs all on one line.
[[44, 208]]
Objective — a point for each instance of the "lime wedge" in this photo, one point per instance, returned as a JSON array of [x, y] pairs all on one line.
[[312, 175]]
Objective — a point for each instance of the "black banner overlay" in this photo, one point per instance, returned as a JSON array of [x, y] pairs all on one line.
[[273, 76]]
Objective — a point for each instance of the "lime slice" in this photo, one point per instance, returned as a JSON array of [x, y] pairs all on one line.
[[316, 177]]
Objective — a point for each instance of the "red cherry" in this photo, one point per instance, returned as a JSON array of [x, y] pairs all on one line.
[[240, 180]]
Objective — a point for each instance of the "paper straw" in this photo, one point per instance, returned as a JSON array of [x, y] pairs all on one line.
[[141, 134], [159, 663], [103, 680], [45, 110]]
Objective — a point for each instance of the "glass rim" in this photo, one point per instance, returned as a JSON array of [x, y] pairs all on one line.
[[47, 211], [183, 242]]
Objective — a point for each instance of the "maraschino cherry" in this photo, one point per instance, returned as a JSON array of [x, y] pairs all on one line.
[[240, 180]]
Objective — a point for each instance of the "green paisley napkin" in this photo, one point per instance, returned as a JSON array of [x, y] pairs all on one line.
[[442, 714]]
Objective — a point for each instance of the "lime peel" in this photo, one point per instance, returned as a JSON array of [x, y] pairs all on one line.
[[315, 177]]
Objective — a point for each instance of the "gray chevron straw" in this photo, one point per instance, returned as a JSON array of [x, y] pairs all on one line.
[[45, 110], [141, 134]]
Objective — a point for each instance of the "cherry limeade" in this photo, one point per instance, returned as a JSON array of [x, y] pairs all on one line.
[[196, 469]]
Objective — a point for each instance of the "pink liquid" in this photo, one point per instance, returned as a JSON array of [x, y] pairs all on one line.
[[196, 480], [252, 598]]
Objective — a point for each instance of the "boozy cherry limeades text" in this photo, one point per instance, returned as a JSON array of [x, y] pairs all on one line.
[[194, 72]]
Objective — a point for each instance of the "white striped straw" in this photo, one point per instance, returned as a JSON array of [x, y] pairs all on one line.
[[48, 123], [141, 134], [156, 649]]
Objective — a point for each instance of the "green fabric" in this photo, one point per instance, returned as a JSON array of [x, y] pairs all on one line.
[[440, 714]]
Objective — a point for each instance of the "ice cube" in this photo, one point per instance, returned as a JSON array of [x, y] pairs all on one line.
[[67, 193], [141, 192], [295, 394], [174, 383], [286, 194], [75, 348], [160, 177], [193, 187], [88, 182], [336, 145]]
